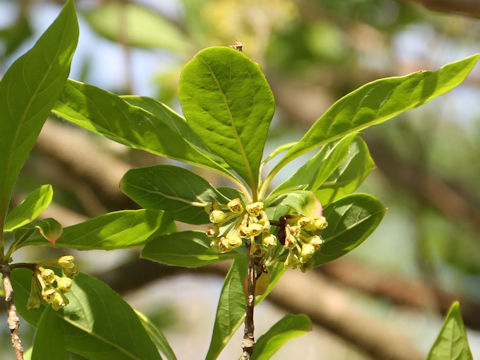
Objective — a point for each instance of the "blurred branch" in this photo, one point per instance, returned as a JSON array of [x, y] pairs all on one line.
[[462, 7], [399, 290], [327, 305]]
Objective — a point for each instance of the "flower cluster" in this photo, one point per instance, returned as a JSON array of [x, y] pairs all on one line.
[[302, 239], [50, 287], [236, 221]]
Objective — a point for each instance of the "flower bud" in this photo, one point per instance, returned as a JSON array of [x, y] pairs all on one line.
[[320, 223], [64, 283], [34, 300], [48, 294], [48, 275], [307, 252], [269, 241], [316, 241], [212, 231], [233, 240], [66, 262], [217, 216], [59, 301], [304, 220], [254, 208], [71, 272], [264, 221], [235, 206]]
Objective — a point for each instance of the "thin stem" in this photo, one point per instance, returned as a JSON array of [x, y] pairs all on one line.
[[248, 337], [13, 321]]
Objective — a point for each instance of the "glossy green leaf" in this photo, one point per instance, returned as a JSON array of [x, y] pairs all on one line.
[[98, 324], [311, 175], [171, 188], [379, 101], [28, 91], [49, 341], [157, 336], [452, 342], [231, 305], [171, 118], [228, 103], [185, 248], [298, 201], [350, 221], [289, 327], [115, 230], [348, 176], [30, 208], [231, 308], [112, 116], [136, 25], [49, 228]]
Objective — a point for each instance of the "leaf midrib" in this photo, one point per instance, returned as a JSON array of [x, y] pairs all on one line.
[[235, 132]]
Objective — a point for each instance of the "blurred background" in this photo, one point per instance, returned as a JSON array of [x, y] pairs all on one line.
[[387, 298]]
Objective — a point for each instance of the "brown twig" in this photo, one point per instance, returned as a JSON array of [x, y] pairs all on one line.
[[462, 7], [248, 336], [12, 320]]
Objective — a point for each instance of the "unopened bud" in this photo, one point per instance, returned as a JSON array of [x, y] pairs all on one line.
[[315, 241], [307, 252], [48, 275], [235, 206], [253, 209], [34, 300], [59, 301], [217, 216], [269, 241], [64, 284], [233, 240], [320, 223], [71, 272], [66, 262]]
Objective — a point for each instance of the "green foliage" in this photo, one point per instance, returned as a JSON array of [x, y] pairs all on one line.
[[28, 90], [377, 102], [180, 192], [97, 324], [287, 328], [30, 208], [115, 230], [49, 340], [451, 343], [228, 103], [186, 248], [310, 219]]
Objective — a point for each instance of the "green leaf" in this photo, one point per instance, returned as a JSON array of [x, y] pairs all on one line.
[[349, 175], [350, 221], [30, 208], [228, 103], [98, 324], [28, 91], [157, 336], [377, 102], [115, 230], [301, 201], [49, 228], [109, 115], [136, 25], [231, 308], [171, 188], [289, 327], [452, 342], [231, 305], [311, 175], [49, 341], [185, 248]]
